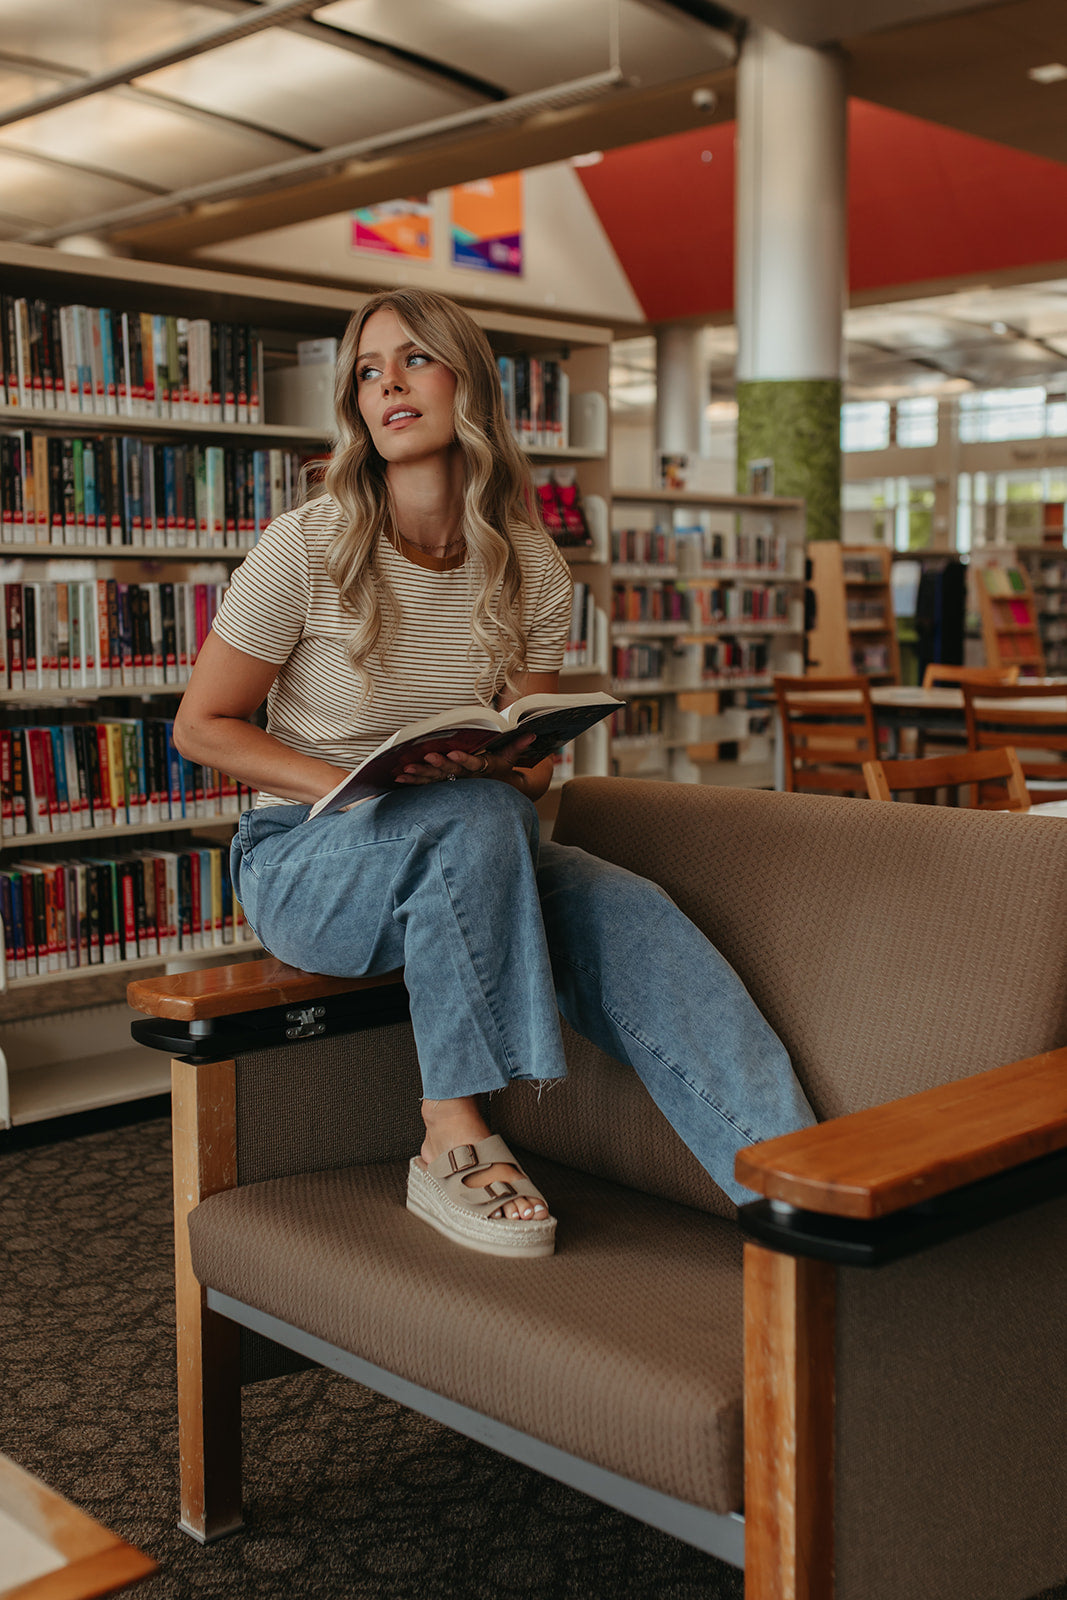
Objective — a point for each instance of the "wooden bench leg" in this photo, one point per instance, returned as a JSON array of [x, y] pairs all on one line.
[[789, 1426], [209, 1365]]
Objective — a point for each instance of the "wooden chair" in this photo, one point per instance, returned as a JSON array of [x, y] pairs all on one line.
[[828, 733], [940, 676], [974, 769], [999, 714]]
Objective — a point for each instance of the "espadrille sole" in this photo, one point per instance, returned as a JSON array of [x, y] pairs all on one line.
[[493, 1237]]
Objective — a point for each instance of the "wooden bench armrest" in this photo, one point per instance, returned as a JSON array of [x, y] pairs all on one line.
[[892, 1156], [241, 986]]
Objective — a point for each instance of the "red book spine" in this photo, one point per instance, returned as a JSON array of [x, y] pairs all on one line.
[[7, 803], [129, 915], [42, 803], [194, 887]]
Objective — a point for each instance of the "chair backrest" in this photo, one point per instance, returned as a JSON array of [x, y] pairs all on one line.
[[1032, 717], [828, 732], [939, 676], [976, 770]]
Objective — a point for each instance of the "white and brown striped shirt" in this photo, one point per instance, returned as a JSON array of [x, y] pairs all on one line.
[[282, 607]]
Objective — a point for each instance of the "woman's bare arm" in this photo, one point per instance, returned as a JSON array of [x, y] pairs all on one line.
[[212, 727]]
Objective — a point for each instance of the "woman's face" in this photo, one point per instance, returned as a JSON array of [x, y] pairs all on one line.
[[404, 395]]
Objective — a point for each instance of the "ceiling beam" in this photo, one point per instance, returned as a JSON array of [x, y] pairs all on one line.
[[625, 116]]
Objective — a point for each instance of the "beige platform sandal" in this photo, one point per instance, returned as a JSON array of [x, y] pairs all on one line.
[[438, 1194]]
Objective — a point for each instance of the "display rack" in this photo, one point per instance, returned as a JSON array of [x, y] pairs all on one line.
[[67, 1044], [1046, 567], [854, 633], [707, 606], [1008, 610]]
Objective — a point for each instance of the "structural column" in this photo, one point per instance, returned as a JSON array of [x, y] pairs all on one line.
[[791, 269], [681, 388]]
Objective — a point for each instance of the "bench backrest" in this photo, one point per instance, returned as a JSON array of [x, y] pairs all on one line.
[[892, 948]]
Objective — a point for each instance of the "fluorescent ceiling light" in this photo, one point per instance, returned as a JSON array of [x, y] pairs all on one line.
[[1054, 72]]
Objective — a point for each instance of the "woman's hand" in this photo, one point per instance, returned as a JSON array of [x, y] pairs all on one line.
[[457, 764]]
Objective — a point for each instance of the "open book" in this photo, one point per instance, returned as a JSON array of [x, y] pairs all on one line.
[[554, 720]]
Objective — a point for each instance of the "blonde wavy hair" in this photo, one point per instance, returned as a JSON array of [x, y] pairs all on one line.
[[497, 496]]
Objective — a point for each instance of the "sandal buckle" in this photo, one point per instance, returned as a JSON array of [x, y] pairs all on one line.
[[500, 1190], [463, 1166]]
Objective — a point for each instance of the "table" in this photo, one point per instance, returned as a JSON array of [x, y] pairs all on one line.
[[931, 710], [54, 1551], [937, 710]]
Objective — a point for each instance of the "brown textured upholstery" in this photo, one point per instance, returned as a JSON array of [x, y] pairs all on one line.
[[601, 1119], [952, 1418], [628, 1356], [892, 948]]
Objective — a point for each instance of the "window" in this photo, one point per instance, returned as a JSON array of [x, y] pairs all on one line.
[[1002, 414], [917, 421], [865, 425]]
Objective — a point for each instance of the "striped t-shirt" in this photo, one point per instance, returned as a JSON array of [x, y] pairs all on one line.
[[282, 607]]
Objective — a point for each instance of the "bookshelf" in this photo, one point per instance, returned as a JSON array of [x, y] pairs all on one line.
[[1046, 567], [1008, 611], [855, 629], [707, 604], [66, 1027]]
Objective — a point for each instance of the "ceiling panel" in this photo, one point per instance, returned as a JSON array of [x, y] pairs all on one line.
[[141, 141], [16, 86], [304, 88], [528, 44], [971, 72], [92, 35], [816, 21], [53, 195]]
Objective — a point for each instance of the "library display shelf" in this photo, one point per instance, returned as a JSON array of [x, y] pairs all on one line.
[[24, 841], [854, 634], [35, 417], [153, 414], [1045, 566], [1008, 610], [80, 1060], [707, 604]]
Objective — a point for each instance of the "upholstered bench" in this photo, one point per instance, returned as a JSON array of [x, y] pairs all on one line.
[[873, 1404]]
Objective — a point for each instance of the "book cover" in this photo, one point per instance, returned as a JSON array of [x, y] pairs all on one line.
[[552, 720]]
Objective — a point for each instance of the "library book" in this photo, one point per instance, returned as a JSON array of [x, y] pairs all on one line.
[[553, 720]]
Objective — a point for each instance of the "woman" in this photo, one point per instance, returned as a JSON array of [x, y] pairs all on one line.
[[422, 580]]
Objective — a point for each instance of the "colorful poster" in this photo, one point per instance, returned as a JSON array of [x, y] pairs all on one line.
[[487, 224], [396, 228]]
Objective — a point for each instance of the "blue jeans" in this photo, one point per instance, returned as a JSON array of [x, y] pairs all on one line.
[[497, 934]]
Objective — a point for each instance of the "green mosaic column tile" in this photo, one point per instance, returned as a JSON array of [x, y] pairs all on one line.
[[796, 423]]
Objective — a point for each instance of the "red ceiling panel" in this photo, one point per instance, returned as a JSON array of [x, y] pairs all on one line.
[[925, 203]]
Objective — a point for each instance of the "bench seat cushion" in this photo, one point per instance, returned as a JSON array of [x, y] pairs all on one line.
[[624, 1348]]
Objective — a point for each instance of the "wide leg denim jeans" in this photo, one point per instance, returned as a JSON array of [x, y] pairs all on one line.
[[499, 933]]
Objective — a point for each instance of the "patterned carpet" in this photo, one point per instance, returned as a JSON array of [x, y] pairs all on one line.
[[347, 1495]]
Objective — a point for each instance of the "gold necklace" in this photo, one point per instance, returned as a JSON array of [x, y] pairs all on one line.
[[399, 539]]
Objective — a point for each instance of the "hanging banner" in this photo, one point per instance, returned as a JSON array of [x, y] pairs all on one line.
[[487, 224], [396, 228]]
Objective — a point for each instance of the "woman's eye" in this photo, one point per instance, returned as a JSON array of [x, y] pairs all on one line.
[[363, 373], [418, 358]]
